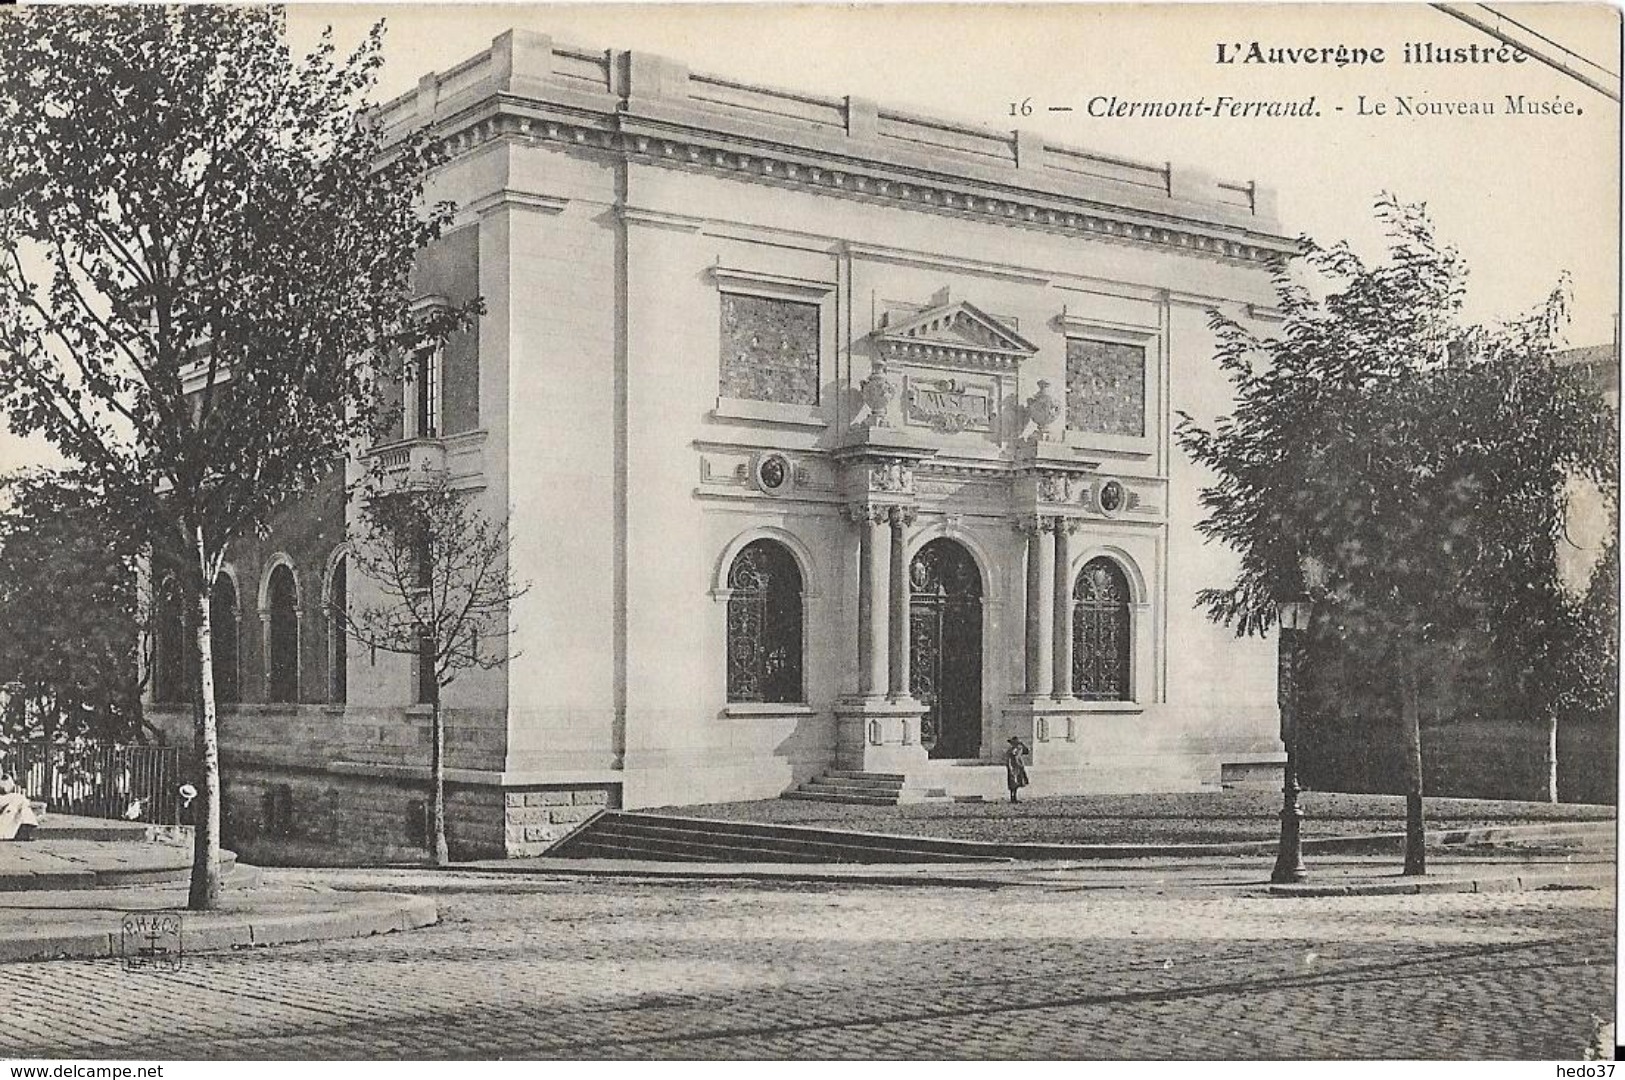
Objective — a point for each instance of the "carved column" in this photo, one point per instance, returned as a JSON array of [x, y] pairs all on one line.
[[1040, 605], [873, 588], [900, 594], [1062, 624]]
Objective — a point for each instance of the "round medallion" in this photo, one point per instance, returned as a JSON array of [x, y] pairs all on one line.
[[773, 474], [1111, 496]]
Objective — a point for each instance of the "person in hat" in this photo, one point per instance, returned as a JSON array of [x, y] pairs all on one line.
[[1015, 773]]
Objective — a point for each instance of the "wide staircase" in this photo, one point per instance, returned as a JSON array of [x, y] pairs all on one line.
[[617, 834], [845, 786]]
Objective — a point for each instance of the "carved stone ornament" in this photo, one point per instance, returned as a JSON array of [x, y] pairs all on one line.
[[1033, 524], [1055, 488], [891, 476], [1111, 497], [879, 392], [1043, 408], [950, 405]]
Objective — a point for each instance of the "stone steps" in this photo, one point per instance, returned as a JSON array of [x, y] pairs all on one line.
[[848, 786], [621, 835], [807, 793], [617, 834]]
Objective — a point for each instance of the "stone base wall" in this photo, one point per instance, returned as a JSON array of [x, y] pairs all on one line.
[[534, 819], [277, 816]]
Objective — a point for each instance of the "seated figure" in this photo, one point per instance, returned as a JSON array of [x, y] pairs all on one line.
[[17, 820]]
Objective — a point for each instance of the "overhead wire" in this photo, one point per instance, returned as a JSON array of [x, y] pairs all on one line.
[[1556, 45]]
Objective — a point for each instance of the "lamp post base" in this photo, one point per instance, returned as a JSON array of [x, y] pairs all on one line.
[[1289, 866]]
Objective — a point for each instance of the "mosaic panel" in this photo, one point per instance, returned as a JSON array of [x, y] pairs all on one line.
[[1105, 387], [769, 350]]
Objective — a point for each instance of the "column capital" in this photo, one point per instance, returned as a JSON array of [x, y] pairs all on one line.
[[1033, 524], [882, 513]]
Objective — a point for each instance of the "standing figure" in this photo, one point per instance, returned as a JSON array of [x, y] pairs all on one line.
[[1015, 773]]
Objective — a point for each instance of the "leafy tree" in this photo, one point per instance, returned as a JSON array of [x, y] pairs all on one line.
[[70, 616], [1420, 460], [205, 245], [439, 568]]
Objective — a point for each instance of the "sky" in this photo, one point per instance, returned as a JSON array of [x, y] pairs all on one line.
[[1525, 198]]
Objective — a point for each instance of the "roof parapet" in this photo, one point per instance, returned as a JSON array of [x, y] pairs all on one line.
[[645, 93]]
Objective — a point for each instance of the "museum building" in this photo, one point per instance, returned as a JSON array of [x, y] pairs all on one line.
[[836, 439]]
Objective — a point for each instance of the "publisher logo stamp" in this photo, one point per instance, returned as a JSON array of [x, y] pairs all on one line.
[[151, 939]]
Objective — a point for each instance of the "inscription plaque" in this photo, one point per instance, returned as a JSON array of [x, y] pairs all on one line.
[[951, 405]]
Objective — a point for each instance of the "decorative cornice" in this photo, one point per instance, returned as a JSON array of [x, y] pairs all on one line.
[[660, 219], [805, 288], [506, 117], [507, 198]]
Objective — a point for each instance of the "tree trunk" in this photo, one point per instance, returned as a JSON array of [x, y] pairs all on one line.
[[1551, 757], [437, 778], [1411, 720], [205, 890]]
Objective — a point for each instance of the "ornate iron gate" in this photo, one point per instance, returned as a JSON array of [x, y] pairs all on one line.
[[945, 648]]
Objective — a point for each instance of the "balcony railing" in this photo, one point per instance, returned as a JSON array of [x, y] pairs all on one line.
[[411, 460]]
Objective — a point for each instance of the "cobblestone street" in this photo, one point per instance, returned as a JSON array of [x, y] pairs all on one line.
[[528, 967]]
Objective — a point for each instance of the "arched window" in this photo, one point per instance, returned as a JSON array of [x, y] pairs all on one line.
[[169, 646], [223, 641], [338, 641], [1100, 633], [282, 643], [764, 624]]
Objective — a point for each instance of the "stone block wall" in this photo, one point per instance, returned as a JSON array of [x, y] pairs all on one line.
[[534, 819], [336, 819]]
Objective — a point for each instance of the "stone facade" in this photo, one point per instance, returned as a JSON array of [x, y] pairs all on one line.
[[935, 368]]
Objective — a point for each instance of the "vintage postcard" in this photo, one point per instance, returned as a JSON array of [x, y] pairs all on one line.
[[894, 532]]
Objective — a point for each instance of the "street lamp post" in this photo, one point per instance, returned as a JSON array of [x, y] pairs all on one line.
[[1293, 616]]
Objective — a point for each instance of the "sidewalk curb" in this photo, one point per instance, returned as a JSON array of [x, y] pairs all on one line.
[[387, 913], [1495, 884]]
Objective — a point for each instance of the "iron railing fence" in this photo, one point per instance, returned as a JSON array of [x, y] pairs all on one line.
[[102, 780]]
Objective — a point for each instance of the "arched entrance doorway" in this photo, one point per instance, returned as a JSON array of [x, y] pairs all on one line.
[[945, 648]]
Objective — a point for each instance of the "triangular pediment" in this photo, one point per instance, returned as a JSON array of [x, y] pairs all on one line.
[[954, 333]]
